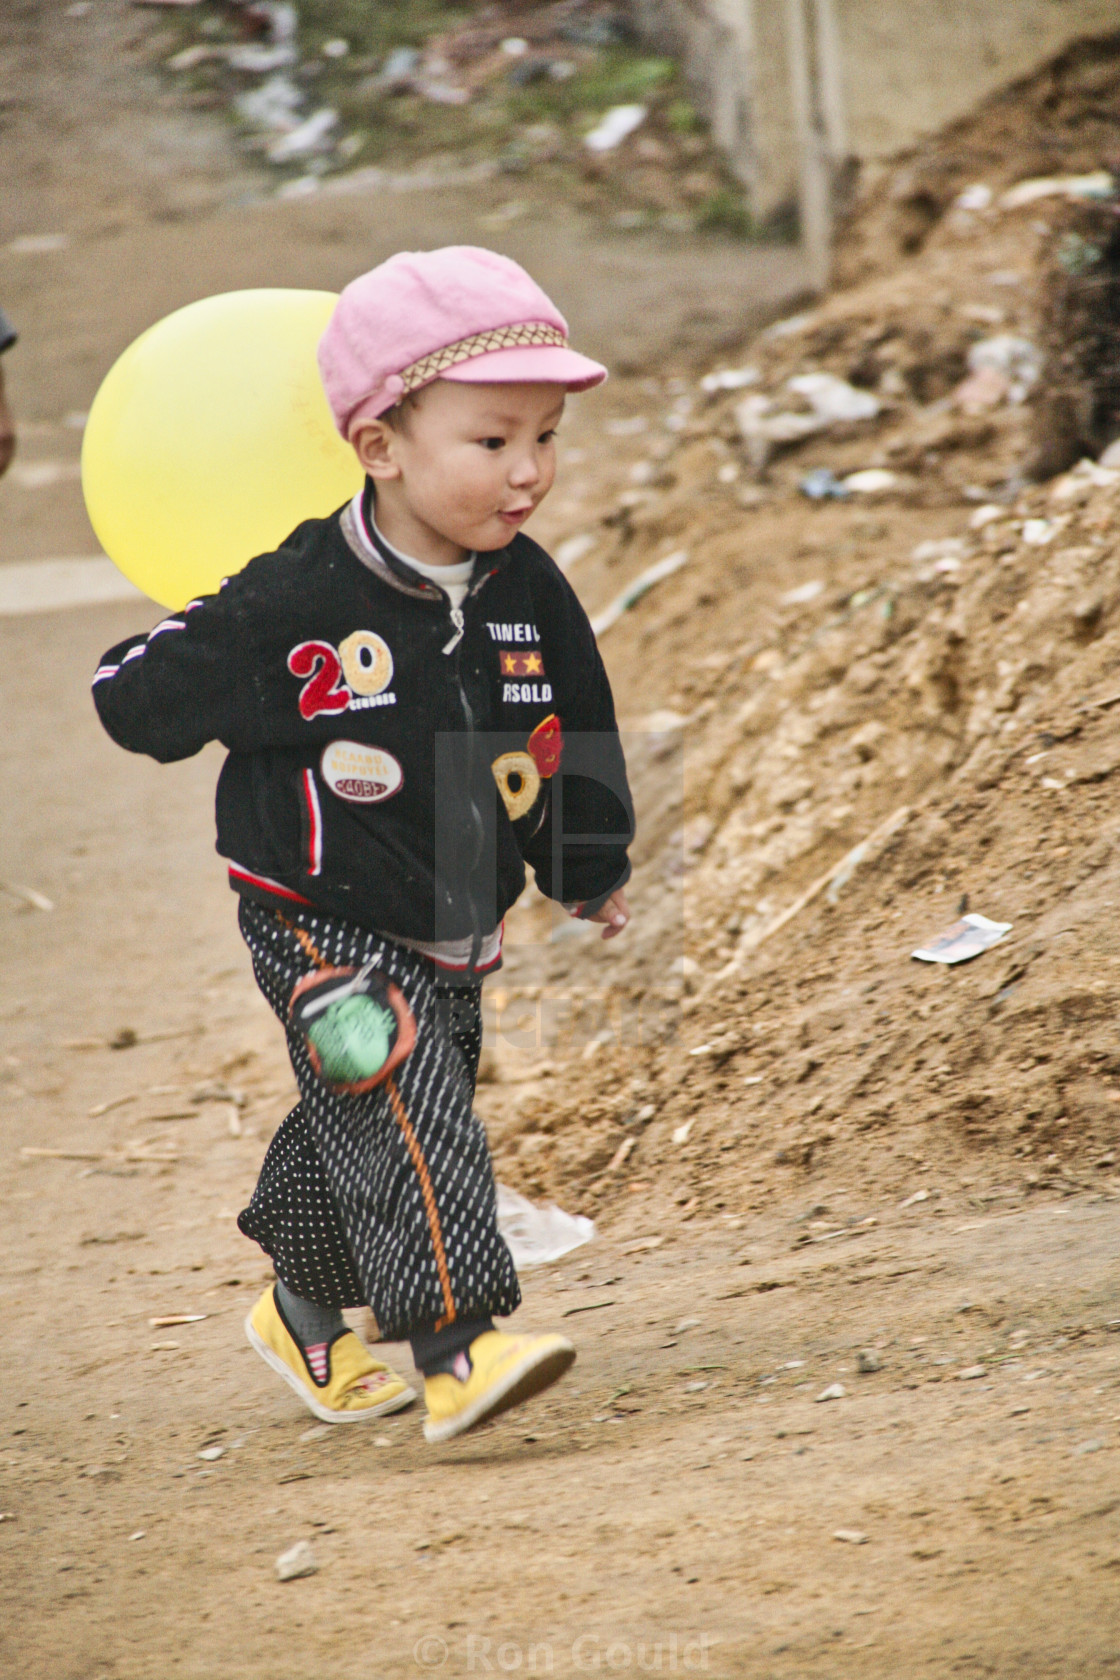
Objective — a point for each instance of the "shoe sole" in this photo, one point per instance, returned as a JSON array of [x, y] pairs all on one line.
[[528, 1377], [396, 1403]]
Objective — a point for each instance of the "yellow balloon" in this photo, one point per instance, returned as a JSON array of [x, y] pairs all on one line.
[[210, 439]]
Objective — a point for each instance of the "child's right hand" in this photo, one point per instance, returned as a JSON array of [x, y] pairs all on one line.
[[615, 913]]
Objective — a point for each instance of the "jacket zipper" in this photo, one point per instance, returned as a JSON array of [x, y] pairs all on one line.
[[458, 620], [460, 626]]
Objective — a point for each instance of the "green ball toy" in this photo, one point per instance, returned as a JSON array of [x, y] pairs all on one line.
[[352, 1039]]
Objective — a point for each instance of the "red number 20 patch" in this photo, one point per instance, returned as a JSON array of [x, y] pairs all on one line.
[[323, 692]]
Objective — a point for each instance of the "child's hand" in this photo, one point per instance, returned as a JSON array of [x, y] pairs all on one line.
[[615, 912]]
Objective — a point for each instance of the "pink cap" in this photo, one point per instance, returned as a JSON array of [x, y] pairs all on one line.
[[459, 313]]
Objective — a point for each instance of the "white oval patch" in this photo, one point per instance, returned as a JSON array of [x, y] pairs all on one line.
[[361, 775]]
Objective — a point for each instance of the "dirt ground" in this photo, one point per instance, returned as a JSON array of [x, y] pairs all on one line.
[[814, 1163]]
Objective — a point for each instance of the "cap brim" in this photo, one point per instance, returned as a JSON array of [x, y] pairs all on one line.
[[543, 364]]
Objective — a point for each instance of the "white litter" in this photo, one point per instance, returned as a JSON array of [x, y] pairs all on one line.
[[1016, 358], [833, 398], [41, 475], [964, 940], [977, 197], [760, 424], [34, 586], [790, 327], [256, 59], [633, 592], [937, 548], [619, 122], [1086, 474], [803, 594], [729, 379], [627, 425], [1098, 184], [573, 549], [273, 105], [539, 1233], [38, 244], [661, 722], [871, 481], [307, 140]]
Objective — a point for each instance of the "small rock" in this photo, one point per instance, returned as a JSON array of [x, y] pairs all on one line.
[[139, 1534], [685, 1324], [378, 1440], [834, 1391], [316, 1432], [918, 1196], [695, 1387], [971, 1372], [211, 1454], [1089, 1447], [868, 1361], [297, 1561], [852, 1536]]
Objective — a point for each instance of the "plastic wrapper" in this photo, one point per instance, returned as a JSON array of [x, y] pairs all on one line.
[[537, 1233]]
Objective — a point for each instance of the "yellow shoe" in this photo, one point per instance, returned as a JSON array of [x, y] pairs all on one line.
[[358, 1387], [504, 1371]]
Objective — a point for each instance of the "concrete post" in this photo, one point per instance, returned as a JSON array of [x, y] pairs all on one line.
[[813, 165]]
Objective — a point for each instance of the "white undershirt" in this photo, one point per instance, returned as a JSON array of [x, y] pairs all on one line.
[[453, 580]]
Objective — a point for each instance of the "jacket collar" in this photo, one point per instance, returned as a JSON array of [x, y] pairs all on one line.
[[363, 538]]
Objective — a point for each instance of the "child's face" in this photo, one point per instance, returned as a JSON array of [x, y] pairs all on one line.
[[466, 466]]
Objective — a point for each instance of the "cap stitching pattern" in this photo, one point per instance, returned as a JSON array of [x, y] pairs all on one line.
[[479, 344]]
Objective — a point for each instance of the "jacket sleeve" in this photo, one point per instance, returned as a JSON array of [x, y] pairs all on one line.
[[191, 680], [579, 850]]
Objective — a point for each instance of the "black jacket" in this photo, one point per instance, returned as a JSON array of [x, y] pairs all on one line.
[[391, 761]]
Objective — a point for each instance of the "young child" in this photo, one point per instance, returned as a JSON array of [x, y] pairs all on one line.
[[398, 687]]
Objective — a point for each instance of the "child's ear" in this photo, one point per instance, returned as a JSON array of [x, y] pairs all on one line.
[[373, 443]]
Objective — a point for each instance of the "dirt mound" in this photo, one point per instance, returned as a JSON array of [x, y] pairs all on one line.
[[963, 709], [1078, 411], [1063, 119], [855, 719]]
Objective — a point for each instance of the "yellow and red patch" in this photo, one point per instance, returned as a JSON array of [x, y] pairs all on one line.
[[546, 745], [516, 664]]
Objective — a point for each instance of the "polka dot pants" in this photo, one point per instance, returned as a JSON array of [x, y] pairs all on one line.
[[385, 1199]]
